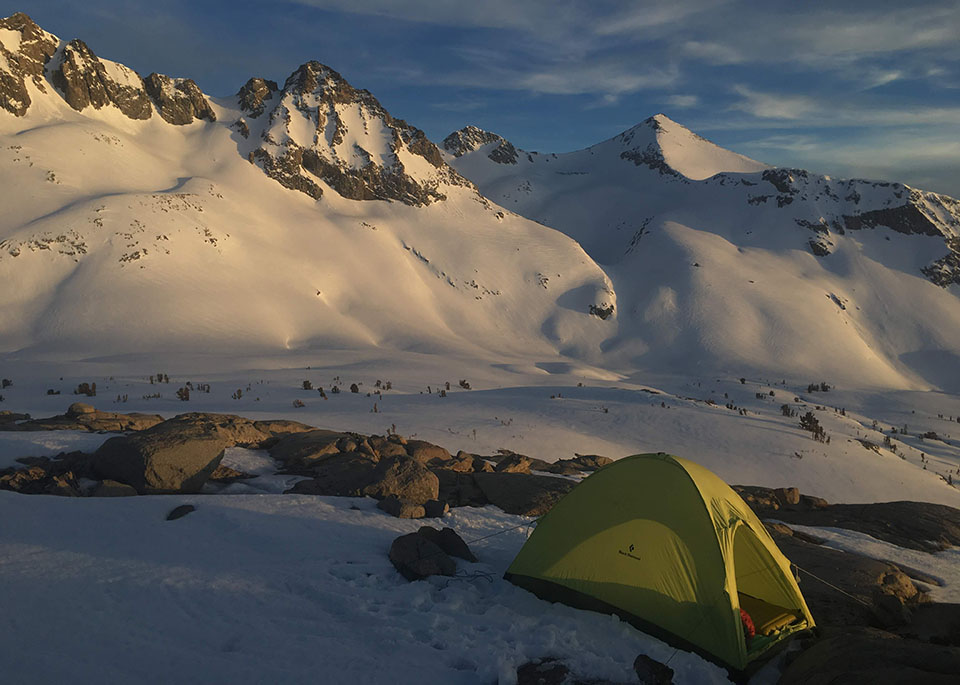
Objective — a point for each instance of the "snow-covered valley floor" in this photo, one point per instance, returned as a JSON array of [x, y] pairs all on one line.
[[269, 589], [294, 588], [549, 410]]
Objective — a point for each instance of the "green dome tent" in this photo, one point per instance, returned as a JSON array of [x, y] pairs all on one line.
[[667, 545]]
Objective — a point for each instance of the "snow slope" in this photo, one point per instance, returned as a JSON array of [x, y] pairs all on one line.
[[268, 588], [126, 234], [723, 264]]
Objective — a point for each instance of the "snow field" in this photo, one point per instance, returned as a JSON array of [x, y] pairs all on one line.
[[546, 415], [291, 588]]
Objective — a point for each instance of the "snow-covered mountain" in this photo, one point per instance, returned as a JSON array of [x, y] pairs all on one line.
[[722, 262], [140, 214]]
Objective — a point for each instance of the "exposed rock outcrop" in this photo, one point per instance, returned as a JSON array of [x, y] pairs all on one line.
[[404, 477], [916, 525], [180, 454], [868, 655], [340, 475], [86, 81], [46, 478], [178, 100], [80, 416], [23, 61], [515, 493], [254, 93], [161, 459], [470, 138], [316, 98], [946, 270], [874, 592], [425, 452]]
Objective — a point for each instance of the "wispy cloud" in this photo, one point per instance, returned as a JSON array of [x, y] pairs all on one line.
[[682, 101], [773, 105], [812, 112], [710, 51], [575, 70]]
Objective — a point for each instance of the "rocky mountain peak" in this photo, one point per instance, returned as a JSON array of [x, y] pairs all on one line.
[[254, 93], [472, 138], [662, 145], [314, 78], [86, 81], [323, 129], [24, 50], [179, 100]]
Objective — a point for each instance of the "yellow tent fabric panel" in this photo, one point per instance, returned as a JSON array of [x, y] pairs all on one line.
[[665, 541]]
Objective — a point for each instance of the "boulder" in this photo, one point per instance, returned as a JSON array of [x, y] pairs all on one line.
[[280, 427], [180, 512], [435, 509], [425, 452], [79, 409], [514, 463], [522, 494], [404, 477], [301, 449], [465, 462], [462, 463], [347, 444], [811, 502], [460, 489], [448, 540], [652, 672], [787, 496], [783, 529], [342, 475], [386, 448], [174, 456], [229, 429], [416, 558], [401, 508], [546, 671]]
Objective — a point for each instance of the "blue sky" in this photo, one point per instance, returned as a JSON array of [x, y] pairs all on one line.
[[848, 88]]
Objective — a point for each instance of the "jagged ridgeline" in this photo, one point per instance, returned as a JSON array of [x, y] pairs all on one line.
[[142, 213], [679, 170], [316, 127]]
